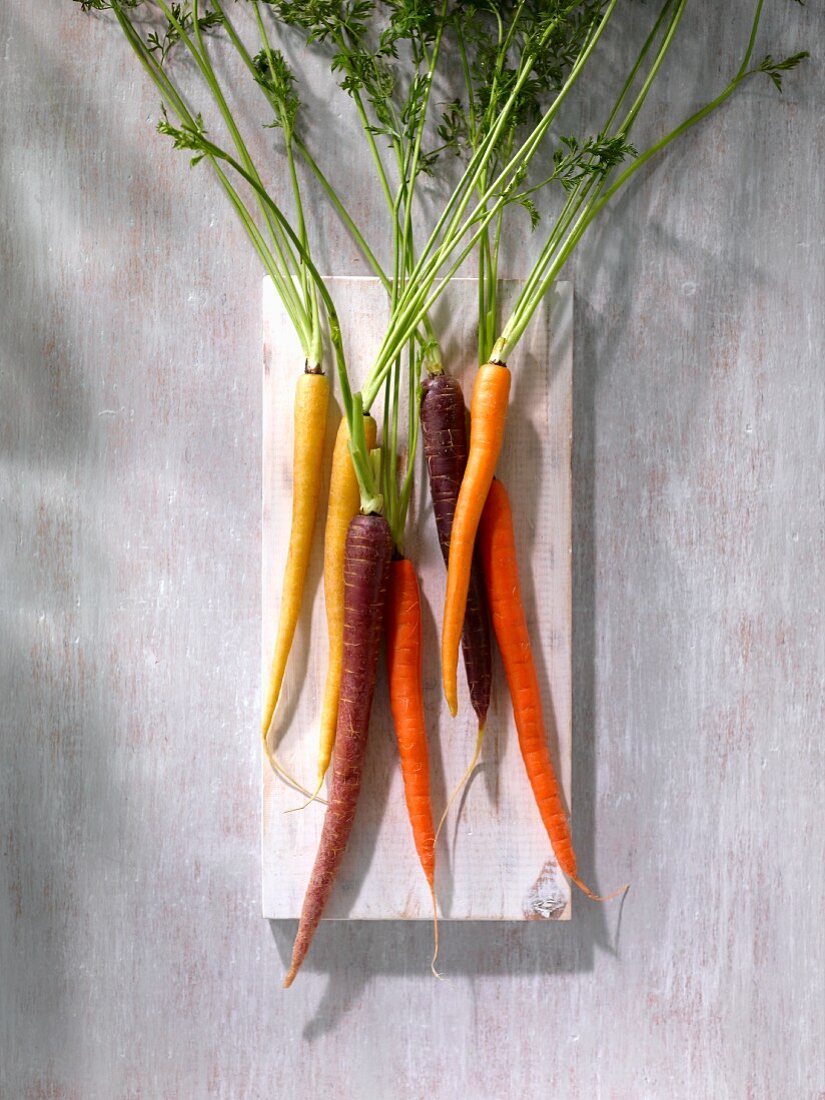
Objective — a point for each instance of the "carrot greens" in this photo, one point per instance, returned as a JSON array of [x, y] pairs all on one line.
[[283, 252], [589, 190], [584, 167], [163, 31]]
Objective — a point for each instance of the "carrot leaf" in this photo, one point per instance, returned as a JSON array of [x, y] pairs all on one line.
[[775, 69]]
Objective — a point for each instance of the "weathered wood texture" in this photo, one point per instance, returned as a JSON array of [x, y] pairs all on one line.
[[494, 859], [134, 960]]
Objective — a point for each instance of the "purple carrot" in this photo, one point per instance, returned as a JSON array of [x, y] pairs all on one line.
[[444, 430], [366, 572]]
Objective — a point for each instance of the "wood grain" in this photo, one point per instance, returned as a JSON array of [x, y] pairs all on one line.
[[133, 957], [495, 862]]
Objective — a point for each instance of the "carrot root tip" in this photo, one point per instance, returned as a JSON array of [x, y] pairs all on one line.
[[435, 929], [464, 779], [599, 897], [313, 798], [282, 773]]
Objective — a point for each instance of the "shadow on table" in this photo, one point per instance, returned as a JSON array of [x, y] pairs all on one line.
[[352, 953]]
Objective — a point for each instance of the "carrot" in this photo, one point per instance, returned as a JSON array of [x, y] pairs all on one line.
[[310, 420], [498, 555], [342, 508], [488, 412], [366, 571], [444, 431], [407, 706]]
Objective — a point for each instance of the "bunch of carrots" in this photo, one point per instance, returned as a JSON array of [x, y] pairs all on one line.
[[467, 97]]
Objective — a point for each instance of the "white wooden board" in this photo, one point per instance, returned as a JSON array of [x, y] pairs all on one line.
[[494, 860], [134, 962]]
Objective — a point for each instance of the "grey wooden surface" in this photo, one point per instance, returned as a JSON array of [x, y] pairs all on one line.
[[133, 960]]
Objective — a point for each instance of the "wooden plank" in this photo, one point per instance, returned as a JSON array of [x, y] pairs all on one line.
[[495, 862]]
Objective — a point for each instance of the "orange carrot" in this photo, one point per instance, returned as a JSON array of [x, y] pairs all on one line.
[[498, 558], [488, 412], [407, 706]]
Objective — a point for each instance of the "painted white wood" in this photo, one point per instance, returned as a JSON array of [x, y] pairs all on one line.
[[494, 861]]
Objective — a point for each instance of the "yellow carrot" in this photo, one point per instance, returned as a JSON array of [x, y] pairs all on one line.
[[310, 419]]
